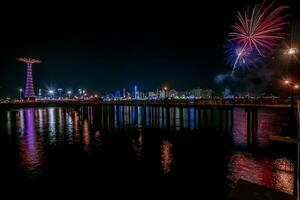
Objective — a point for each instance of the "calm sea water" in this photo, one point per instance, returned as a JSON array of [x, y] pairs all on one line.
[[62, 147]]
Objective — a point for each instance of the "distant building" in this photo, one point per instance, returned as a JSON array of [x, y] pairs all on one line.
[[200, 93], [124, 93], [197, 93], [182, 94], [162, 94], [140, 95], [128, 95], [207, 93], [172, 93], [118, 94], [152, 95]]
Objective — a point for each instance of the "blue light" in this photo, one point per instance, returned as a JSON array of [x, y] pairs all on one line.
[[135, 92]]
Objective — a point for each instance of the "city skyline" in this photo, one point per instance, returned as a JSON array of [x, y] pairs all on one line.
[[133, 92]]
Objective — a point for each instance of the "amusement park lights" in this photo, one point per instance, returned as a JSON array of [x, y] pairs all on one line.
[[29, 89]]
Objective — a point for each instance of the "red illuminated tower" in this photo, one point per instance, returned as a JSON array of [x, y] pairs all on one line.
[[29, 89]]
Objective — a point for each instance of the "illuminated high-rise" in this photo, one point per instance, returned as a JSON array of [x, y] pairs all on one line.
[[118, 94], [135, 92]]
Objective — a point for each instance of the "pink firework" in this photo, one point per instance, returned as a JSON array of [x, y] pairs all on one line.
[[261, 28]]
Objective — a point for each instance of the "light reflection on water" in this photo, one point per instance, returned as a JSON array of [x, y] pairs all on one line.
[[98, 139], [284, 179], [138, 146], [86, 136], [8, 125], [30, 146], [272, 173], [166, 156], [21, 123], [52, 125], [41, 118], [76, 126], [70, 128], [85, 128]]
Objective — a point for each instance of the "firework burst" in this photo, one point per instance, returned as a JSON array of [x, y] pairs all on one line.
[[238, 55], [258, 31]]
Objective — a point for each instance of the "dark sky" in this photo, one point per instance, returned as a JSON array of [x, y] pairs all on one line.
[[108, 47]]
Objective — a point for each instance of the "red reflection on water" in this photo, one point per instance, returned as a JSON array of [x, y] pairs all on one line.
[[76, 126], [30, 148], [284, 179], [269, 123], [86, 136], [166, 156], [240, 127], [276, 174]]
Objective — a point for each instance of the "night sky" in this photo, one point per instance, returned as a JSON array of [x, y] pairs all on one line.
[[108, 47]]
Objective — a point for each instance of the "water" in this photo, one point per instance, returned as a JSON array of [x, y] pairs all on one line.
[[110, 148]]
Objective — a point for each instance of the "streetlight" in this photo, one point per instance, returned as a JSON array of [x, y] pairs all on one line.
[[20, 91], [286, 82], [69, 93], [40, 93], [59, 92], [84, 93], [80, 93], [51, 92], [292, 55], [292, 52], [166, 90]]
